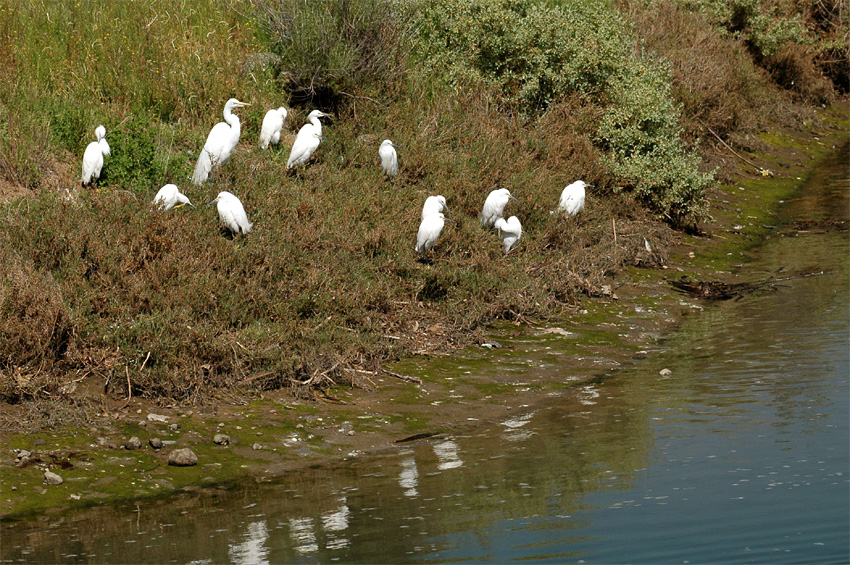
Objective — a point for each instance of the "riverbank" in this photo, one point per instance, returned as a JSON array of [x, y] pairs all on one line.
[[516, 365]]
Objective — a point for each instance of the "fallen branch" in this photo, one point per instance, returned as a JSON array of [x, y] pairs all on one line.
[[405, 378]]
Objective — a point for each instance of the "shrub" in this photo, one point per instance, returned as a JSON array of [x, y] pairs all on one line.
[[533, 56]]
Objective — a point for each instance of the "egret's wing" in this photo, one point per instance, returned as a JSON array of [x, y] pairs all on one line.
[[305, 144], [241, 217], [92, 162], [227, 213], [270, 132], [217, 143]]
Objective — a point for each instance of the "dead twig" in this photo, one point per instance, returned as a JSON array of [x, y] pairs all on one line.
[[405, 378]]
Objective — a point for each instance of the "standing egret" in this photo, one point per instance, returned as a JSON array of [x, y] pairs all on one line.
[[93, 156], [307, 140], [572, 198], [232, 213], [169, 197], [494, 206], [272, 126], [510, 231], [434, 205], [389, 158], [429, 231], [220, 143]]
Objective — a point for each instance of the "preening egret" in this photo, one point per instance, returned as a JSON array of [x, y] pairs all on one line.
[[272, 126], [93, 156], [169, 196], [429, 231], [389, 158], [434, 205], [232, 213], [510, 231], [307, 140], [572, 198], [220, 143], [494, 206]]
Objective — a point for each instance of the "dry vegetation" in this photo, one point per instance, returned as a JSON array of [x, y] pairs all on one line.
[[97, 285]]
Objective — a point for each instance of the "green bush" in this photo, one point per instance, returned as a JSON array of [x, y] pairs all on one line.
[[533, 56]]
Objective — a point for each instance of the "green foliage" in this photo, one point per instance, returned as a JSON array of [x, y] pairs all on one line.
[[533, 56], [329, 49]]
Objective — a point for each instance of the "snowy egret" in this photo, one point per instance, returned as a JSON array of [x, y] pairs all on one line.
[[429, 231], [307, 140], [221, 142], [572, 198], [93, 156], [232, 213], [169, 196], [272, 126], [494, 206], [434, 205], [389, 158], [510, 231]]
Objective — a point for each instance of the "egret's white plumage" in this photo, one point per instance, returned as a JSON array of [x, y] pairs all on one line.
[[510, 230], [232, 213], [389, 158], [494, 206], [572, 198], [434, 205], [169, 196], [272, 126], [307, 140], [221, 142], [93, 156], [429, 232]]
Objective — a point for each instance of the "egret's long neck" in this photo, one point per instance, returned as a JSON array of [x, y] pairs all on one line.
[[316, 124], [234, 123]]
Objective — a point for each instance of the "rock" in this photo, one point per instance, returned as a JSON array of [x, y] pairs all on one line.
[[155, 442], [52, 478], [665, 372], [221, 439], [133, 443], [175, 427], [24, 454], [257, 446], [182, 458], [606, 290], [157, 418]]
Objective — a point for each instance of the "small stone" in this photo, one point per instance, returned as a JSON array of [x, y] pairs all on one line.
[[155, 442], [24, 454], [221, 439], [75, 496], [257, 446], [221, 424], [157, 418], [182, 458], [52, 478], [143, 423], [665, 372], [351, 432], [175, 427], [606, 290], [133, 443]]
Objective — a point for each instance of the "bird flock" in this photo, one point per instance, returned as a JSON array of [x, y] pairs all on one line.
[[224, 137]]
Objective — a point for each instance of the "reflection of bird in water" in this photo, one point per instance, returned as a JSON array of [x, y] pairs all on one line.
[[446, 452]]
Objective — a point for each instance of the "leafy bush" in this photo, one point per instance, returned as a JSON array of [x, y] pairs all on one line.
[[533, 56], [330, 49]]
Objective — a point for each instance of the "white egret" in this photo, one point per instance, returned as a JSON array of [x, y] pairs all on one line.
[[232, 213], [272, 126], [510, 231], [494, 206], [221, 142], [429, 231], [169, 197], [307, 140], [434, 205], [572, 198], [93, 156], [389, 158]]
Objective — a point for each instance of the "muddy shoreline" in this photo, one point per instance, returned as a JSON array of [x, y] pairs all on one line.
[[518, 365]]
